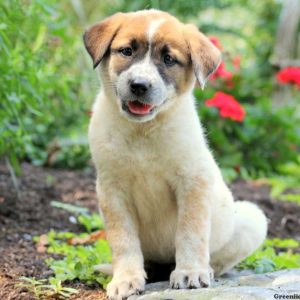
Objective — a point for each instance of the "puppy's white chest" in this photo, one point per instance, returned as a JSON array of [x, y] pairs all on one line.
[[154, 204], [147, 177], [151, 195]]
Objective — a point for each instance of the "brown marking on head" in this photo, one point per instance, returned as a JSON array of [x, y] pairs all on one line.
[[169, 39], [185, 42], [205, 56], [133, 35]]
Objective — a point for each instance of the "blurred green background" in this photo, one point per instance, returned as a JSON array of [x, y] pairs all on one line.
[[48, 84]]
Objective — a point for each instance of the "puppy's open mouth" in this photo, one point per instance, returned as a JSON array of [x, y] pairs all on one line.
[[138, 108]]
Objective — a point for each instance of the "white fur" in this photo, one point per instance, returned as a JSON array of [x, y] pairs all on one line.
[[153, 27]]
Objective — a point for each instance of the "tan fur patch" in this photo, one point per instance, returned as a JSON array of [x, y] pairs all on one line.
[[170, 35]]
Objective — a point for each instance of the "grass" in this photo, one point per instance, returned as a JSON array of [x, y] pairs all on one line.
[[45, 289], [289, 179], [78, 261], [275, 254]]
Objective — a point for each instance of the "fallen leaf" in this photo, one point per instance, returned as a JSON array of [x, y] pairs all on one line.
[[94, 236], [41, 246], [259, 182]]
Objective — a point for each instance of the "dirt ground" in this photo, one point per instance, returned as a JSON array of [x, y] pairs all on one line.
[[32, 215]]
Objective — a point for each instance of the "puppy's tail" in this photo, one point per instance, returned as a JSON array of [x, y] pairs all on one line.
[[104, 268]]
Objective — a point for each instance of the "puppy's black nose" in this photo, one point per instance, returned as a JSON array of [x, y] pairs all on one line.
[[139, 87]]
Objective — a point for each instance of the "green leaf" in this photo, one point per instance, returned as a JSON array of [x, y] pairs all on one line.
[[40, 38], [91, 222], [69, 207]]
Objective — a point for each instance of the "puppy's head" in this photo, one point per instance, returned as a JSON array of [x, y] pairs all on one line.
[[148, 59]]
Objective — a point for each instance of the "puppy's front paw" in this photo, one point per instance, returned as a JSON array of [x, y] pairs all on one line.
[[190, 278], [122, 287]]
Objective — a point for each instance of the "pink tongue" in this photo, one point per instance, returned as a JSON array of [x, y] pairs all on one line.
[[139, 108]]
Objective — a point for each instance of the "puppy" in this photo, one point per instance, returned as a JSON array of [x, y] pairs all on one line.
[[160, 190]]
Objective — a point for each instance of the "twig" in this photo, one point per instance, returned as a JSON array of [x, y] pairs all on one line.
[[13, 178]]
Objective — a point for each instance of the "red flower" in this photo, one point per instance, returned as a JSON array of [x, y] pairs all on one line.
[[236, 61], [289, 75], [237, 169], [227, 105], [221, 72], [216, 42]]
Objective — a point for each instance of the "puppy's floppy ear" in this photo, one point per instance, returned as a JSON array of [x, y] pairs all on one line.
[[98, 38], [205, 56]]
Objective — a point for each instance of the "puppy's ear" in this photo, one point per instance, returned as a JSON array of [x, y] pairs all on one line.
[[205, 56], [98, 38]]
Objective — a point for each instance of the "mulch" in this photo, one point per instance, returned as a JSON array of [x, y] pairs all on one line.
[[32, 215]]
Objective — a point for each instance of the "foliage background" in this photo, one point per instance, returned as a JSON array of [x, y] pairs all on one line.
[[47, 82]]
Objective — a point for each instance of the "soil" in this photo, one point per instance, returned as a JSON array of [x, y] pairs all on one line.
[[32, 215]]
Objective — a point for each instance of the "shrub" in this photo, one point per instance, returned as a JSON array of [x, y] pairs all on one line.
[[247, 132], [39, 85], [265, 139]]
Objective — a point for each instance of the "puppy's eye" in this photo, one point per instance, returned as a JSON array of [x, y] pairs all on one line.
[[126, 51], [169, 60]]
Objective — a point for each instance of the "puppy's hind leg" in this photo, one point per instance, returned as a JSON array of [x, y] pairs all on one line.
[[249, 233]]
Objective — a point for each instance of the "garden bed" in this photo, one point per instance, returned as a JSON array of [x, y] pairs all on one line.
[[32, 215]]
